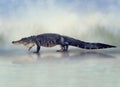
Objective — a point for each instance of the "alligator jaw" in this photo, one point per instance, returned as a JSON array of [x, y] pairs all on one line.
[[26, 44], [16, 42]]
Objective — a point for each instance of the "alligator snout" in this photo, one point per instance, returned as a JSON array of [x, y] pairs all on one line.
[[13, 42], [16, 42]]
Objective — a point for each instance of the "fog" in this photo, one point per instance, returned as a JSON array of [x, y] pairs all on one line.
[[95, 21]]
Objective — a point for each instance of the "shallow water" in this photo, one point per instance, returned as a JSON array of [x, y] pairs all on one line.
[[76, 68]]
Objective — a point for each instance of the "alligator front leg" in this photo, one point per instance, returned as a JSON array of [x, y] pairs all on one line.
[[38, 46], [38, 49], [29, 48]]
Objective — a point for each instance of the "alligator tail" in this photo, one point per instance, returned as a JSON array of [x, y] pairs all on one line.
[[86, 45]]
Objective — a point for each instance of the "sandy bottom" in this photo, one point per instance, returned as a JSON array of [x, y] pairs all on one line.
[[76, 68]]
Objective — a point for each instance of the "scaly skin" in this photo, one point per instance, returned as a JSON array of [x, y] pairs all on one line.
[[50, 40]]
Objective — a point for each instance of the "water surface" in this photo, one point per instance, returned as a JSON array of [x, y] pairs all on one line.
[[76, 68]]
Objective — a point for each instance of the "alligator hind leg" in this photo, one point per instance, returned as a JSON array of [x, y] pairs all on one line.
[[64, 48], [64, 45]]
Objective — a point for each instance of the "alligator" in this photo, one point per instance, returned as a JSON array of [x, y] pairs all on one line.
[[52, 39]]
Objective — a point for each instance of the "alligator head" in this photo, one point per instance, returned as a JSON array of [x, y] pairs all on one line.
[[27, 42]]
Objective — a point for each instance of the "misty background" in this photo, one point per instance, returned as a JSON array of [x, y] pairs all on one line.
[[87, 20]]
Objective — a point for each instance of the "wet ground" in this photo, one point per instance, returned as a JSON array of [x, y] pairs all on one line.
[[76, 68]]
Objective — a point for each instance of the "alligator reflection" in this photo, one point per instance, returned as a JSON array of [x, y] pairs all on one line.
[[74, 55], [46, 56]]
